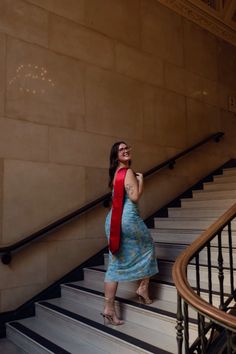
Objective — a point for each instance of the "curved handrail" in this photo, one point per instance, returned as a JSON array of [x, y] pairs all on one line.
[[7, 250], [179, 273]]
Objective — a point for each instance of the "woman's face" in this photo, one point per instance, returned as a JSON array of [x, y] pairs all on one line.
[[124, 153]]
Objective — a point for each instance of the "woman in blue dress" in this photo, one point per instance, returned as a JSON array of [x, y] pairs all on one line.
[[135, 259]]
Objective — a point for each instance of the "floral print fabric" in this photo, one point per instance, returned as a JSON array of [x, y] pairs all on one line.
[[136, 256]]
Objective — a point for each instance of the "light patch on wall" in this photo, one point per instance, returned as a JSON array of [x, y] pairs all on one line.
[[31, 79], [197, 93], [232, 104]]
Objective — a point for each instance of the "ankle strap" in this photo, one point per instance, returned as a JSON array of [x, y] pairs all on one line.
[[109, 299]]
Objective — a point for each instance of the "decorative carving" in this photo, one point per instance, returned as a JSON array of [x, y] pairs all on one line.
[[202, 18]]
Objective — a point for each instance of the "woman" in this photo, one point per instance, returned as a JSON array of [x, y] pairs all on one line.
[[131, 255]]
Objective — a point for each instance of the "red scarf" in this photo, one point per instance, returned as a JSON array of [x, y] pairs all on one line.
[[117, 209]]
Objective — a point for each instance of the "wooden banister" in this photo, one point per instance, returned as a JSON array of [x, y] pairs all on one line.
[[179, 274]]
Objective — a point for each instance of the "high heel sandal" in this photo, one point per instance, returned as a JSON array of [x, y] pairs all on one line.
[[144, 299], [142, 289], [111, 318]]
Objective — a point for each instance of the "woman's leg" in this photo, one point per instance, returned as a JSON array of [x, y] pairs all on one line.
[[109, 313], [143, 291]]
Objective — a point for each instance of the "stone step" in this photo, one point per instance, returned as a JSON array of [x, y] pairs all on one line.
[[8, 347], [186, 223], [198, 212], [208, 195], [165, 275], [48, 332], [212, 203], [208, 186], [153, 322], [75, 333], [167, 251], [164, 295], [31, 341], [69, 315], [181, 236], [224, 179], [90, 304], [229, 172]]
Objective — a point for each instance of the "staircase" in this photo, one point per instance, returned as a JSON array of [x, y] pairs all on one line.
[[73, 324]]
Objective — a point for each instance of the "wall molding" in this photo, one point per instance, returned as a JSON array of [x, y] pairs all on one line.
[[203, 18]]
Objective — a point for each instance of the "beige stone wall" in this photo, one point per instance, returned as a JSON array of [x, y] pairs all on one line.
[[77, 75]]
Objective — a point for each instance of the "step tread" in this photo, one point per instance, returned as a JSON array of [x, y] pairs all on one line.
[[125, 296], [130, 328], [191, 200], [89, 286], [37, 338], [121, 332], [210, 191], [174, 231], [165, 274], [8, 347], [203, 208], [217, 183], [47, 331], [184, 218], [179, 231], [224, 179]]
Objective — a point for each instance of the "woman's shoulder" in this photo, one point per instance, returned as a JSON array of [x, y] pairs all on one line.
[[130, 174], [130, 171]]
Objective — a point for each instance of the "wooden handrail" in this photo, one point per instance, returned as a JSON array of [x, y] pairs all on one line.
[[179, 274], [7, 251]]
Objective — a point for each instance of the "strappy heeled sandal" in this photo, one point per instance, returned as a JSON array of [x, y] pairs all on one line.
[[111, 317], [143, 299], [142, 292]]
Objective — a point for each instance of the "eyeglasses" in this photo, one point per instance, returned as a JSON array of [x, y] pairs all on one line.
[[123, 149]]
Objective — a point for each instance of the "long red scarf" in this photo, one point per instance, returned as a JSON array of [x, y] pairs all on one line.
[[117, 209]]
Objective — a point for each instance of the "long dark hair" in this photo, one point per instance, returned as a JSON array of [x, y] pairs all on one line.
[[114, 162]]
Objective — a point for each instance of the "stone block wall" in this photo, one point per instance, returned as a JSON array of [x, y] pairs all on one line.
[[76, 76]]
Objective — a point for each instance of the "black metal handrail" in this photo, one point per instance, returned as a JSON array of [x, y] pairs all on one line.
[[6, 252]]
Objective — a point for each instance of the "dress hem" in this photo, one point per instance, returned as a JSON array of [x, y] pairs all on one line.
[[133, 279]]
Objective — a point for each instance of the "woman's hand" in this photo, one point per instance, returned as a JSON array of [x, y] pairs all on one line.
[[139, 177]]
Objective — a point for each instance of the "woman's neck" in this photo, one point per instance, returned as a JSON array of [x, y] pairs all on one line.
[[123, 164]]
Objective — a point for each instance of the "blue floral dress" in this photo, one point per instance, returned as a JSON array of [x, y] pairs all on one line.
[[136, 256]]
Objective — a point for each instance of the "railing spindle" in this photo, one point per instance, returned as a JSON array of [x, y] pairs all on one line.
[[229, 338], [233, 342], [202, 334], [186, 328], [179, 327], [220, 270], [231, 266], [209, 272], [197, 274], [198, 286]]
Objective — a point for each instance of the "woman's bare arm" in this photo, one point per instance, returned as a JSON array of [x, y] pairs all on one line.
[[132, 186], [139, 177]]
